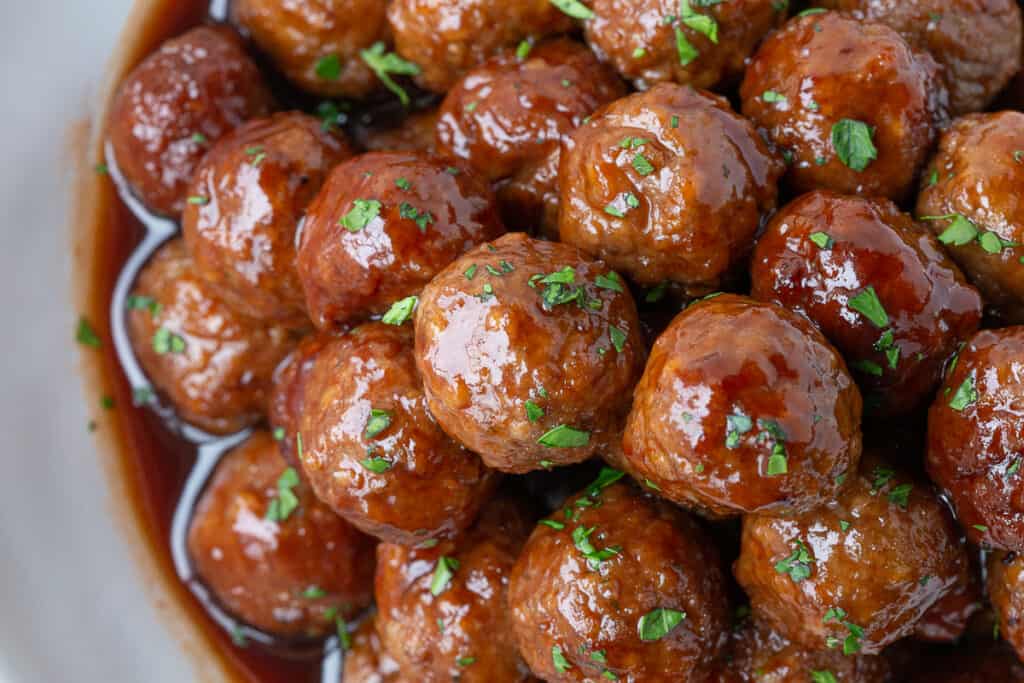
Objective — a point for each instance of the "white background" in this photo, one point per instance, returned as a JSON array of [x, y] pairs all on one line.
[[71, 604]]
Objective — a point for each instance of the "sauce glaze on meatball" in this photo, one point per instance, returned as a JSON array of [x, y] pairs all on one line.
[[975, 440], [382, 226], [1006, 591], [372, 451], [187, 94], [528, 352], [284, 574], [448, 38], [317, 43], [251, 191], [744, 407], [443, 610], [850, 103], [705, 45], [972, 200], [214, 365], [978, 42], [669, 184], [506, 117], [621, 583], [855, 575], [877, 284]]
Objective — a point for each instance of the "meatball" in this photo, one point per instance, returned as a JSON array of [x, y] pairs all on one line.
[[1006, 590], [382, 226], [367, 661], [214, 365], [877, 284], [527, 351], [273, 555], [372, 451], [317, 44], [975, 442], [507, 116], [167, 111], [978, 42], [669, 184], [703, 44], [443, 610], [853, 107], [447, 38], [288, 388], [972, 202], [763, 656], [620, 583], [744, 407], [249, 194], [858, 573]]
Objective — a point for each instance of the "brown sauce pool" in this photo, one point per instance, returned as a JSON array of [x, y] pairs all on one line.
[[157, 465]]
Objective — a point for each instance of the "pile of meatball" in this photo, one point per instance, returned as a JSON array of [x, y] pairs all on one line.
[[658, 340]]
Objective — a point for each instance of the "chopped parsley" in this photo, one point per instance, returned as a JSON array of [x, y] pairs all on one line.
[[823, 676], [574, 8], [313, 592], [853, 143], [285, 502], [385, 64], [401, 311], [328, 67], [198, 200], [86, 335], [144, 303], [772, 97], [735, 427], [822, 239], [421, 218], [581, 539], [523, 49], [658, 623], [618, 338], [965, 396], [377, 465], [899, 495], [642, 165], [533, 411], [797, 564], [359, 216], [378, 422], [165, 341], [564, 436], [867, 304], [443, 573], [687, 52], [557, 658]]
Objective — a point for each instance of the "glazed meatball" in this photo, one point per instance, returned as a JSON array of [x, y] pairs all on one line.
[[528, 352], [273, 555], [1006, 590], [367, 661], [249, 194], [507, 116], [213, 364], [382, 226], [972, 202], [703, 44], [443, 610], [447, 38], [977, 41], [877, 284], [372, 451], [975, 442], [761, 655], [857, 574], [287, 392], [852, 106], [744, 407], [669, 184], [620, 583], [317, 44], [187, 94]]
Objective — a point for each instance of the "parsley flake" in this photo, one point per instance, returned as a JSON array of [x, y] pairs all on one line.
[[659, 622], [359, 216], [853, 143]]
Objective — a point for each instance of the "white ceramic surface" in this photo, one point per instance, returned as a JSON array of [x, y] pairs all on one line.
[[73, 606]]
